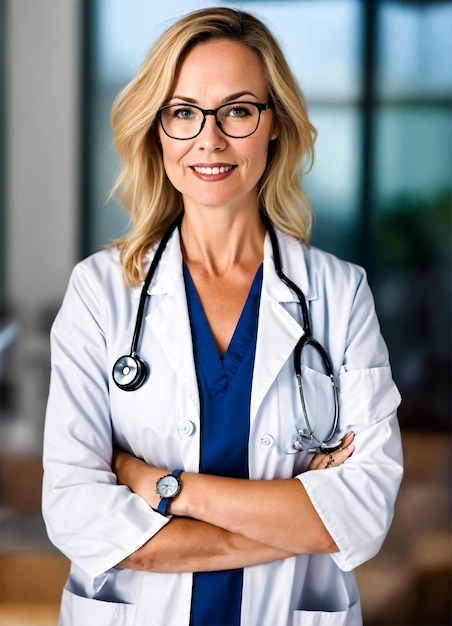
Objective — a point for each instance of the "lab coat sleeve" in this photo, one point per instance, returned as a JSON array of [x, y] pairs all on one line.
[[92, 520], [356, 500]]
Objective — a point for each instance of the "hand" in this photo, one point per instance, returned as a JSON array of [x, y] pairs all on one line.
[[323, 460]]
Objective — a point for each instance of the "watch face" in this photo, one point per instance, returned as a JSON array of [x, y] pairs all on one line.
[[168, 486]]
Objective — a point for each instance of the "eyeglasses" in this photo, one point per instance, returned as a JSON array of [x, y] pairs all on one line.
[[236, 119]]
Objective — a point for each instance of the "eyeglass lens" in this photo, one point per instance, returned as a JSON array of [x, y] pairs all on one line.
[[182, 121]]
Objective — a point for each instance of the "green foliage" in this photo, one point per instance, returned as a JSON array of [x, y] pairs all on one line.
[[414, 232]]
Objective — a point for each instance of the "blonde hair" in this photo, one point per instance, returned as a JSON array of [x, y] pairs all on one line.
[[144, 189]]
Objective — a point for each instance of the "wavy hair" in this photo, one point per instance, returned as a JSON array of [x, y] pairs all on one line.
[[142, 185]]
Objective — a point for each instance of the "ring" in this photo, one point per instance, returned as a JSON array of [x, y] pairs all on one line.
[[330, 460]]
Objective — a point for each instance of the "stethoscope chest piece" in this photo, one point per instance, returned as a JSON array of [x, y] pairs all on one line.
[[129, 372]]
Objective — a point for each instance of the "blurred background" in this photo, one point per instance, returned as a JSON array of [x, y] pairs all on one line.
[[378, 82]]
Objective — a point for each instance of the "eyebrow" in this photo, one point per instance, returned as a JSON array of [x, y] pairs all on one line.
[[230, 98]]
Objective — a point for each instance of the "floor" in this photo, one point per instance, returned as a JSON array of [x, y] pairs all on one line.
[[28, 615]]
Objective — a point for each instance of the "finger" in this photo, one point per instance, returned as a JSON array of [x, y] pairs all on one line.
[[322, 460], [346, 450], [347, 439], [317, 461], [333, 459], [342, 455]]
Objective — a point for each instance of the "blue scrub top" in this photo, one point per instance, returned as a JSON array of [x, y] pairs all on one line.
[[225, 395]]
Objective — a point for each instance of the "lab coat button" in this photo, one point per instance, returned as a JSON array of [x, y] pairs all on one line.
[[186, 428], [267, 441]]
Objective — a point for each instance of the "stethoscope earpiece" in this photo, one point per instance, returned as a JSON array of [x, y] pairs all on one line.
[[129, 372]]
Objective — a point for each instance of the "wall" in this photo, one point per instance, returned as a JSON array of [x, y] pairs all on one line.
[[42, 152]]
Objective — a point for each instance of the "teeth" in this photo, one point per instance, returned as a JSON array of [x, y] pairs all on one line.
[[213, 170]]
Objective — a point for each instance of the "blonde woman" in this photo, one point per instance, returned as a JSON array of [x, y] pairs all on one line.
[[221, 440]]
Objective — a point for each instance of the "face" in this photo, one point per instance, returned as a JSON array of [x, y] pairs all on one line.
[[212, 169]]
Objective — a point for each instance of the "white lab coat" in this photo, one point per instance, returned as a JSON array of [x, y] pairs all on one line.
[[97, 523]]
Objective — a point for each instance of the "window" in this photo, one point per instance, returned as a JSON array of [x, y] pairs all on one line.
[[411, 187], [122, 33]]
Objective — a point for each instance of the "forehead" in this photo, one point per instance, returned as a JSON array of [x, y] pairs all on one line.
[[220, 66]]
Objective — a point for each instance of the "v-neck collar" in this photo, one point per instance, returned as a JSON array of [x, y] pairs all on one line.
[[219, 372]]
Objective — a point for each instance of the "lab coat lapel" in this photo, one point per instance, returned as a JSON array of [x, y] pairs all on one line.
[[169, 320], [278, 331]]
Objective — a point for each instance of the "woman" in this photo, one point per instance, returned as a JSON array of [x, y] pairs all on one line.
[[272, 511]]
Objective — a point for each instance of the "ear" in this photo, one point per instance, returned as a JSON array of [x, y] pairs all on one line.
[[275, 132]]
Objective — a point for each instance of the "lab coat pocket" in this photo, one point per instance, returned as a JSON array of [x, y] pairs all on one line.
[[80, 611], [349, 617], [367, 396]]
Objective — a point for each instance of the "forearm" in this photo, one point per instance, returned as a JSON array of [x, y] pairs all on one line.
[[277, 513], [186, 545]]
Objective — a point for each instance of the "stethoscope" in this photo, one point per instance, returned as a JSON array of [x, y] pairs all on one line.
[[130, 371]]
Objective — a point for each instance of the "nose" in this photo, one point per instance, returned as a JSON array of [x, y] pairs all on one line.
[[211, 137]]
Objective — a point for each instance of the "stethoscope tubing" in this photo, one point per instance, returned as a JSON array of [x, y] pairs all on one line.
[[148, 280], [305, 340], [130, 371]]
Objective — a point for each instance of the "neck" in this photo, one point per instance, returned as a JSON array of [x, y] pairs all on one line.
[[219, 241]]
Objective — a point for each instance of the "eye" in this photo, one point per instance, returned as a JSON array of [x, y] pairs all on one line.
[[183, 113], [239, 111]]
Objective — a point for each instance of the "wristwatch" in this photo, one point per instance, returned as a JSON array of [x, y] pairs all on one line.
[[167, 488]]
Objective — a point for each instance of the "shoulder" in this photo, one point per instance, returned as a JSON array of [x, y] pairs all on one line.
[[96, 280], [98, 271], [100, 263], [341, 285], [323, 266], [320, 272]]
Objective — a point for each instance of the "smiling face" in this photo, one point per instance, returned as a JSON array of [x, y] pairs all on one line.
[[212, 169]]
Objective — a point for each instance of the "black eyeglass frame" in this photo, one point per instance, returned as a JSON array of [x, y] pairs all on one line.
[[260, 106]]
